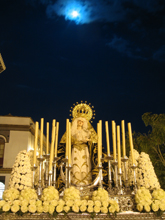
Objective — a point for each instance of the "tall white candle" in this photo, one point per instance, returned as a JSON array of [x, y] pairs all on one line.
[[67, 125], [123, 137], [100, 122], [107, 138], [41, 136], [47, 138], [131, 142], [52, 146], [98, 143], [56, 139], [118, 147], [35, 143], [69, 147], [114, 139]]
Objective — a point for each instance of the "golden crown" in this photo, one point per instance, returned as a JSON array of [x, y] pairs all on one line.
[[83, 110]]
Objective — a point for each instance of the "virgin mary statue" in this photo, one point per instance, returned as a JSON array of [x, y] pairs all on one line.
[[81, 161], [83, 136]]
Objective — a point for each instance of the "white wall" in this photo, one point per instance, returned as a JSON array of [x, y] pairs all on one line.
[[9, 120], [19, 140]]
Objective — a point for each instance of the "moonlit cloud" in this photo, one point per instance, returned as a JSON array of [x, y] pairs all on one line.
[[90, 11], [125, 47], [140, 20]]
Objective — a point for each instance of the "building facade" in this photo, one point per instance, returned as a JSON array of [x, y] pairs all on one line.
[[16, 134]]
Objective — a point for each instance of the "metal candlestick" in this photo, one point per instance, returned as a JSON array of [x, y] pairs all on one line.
[[66, 173], [50, 178], [120, 190], [115, 163], [69, 175], [100, 173], [34, 170], [39, 190], [135, 183], [109, 158], [124, 160], [47, 169], [54, 171]]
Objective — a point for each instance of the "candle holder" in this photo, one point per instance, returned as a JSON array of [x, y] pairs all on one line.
[[115, 163], [69, 175], [54, 171], [109, 158], [39, 190], [124, 160], [66, 173], [100, 175], [33, 168], [50, 177], [135, 182], [47, 156], [120, 190]]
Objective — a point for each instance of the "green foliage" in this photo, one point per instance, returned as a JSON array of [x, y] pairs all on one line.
[[153, 143]]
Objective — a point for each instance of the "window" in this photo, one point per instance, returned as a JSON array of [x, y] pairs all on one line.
[[2, 188], [2, 146]]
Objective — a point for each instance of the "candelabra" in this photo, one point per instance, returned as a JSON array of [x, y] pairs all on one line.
[[54, 171], [115, 163], [120, 190], [39, 190], [100, 168], [50, 178], [34, 167], [134, 175], [124, 160], [47, 156], [66, 173], [69, 175], [109, 158]]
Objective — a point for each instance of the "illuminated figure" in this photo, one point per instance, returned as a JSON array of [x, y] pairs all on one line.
[[81, 163], [83, 139]]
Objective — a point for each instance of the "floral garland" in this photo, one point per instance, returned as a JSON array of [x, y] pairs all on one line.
[[27, 201], [150, 202]]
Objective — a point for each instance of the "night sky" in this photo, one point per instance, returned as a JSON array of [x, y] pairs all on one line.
[[112, 55]]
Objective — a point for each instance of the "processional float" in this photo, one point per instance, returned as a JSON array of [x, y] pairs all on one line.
[[118, 186]]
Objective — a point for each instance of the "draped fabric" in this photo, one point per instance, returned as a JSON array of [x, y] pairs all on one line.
[[81, 164], [81, 172]]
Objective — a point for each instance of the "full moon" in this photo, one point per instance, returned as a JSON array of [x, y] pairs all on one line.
[[75, 14]]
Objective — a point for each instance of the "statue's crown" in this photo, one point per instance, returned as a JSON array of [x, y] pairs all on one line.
[[83, 110]]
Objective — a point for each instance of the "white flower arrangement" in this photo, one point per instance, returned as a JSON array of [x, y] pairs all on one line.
[[100, 195], [71, 194], [50, 193], [11, 194], [28, 194], [143, 198], [102, 203], [146, 201], [158, 200], [21, 176], [145, 174]]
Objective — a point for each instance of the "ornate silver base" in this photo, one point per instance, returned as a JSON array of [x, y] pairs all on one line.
[[125, 202], [70, 216]]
